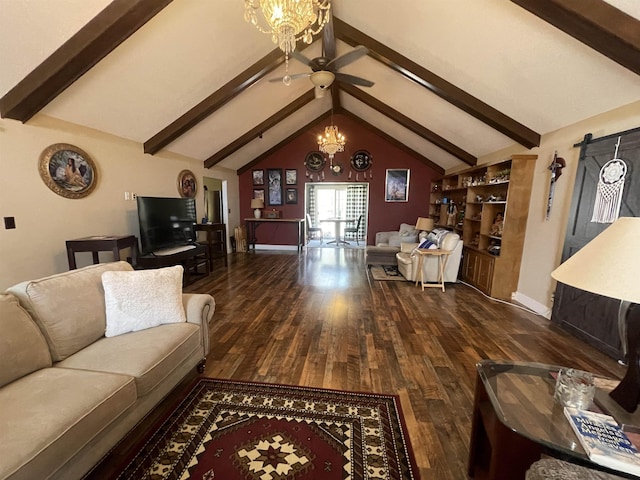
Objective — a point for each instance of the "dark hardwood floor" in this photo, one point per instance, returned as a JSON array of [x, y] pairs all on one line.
[[316, 319]]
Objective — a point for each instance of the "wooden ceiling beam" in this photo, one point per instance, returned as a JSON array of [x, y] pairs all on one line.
[[400, 146], [301, 131], [270, 122], [595, 23], [213, 102], [112, 26], [408, 123], [439, 86]]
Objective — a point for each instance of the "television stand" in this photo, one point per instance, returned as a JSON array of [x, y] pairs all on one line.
[[192, 260]]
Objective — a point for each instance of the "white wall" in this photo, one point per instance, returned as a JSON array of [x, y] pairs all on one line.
[[45, 220], [545, 239]]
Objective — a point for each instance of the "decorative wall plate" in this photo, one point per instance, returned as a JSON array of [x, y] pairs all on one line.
[[361, 161], [314, 161], [67, 170], [187, 184]]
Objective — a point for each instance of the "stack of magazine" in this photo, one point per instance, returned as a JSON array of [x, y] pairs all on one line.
[[604, 440]]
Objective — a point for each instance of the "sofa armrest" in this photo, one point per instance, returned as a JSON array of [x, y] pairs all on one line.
[[199, 308], [407, 247], [383, 237]]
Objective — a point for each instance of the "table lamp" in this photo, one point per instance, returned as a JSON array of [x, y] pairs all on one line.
[[257, 204], [425, 225], [609, 265]]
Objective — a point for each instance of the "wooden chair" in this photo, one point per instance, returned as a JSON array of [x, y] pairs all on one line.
[[312, 231], [354, 230]]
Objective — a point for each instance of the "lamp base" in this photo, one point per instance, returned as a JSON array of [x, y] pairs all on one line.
[[257, 213], [627, 393]]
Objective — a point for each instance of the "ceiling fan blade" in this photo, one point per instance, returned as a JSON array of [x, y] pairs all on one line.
[[345, 77], [295, 76], [346, 58], [300, 57]]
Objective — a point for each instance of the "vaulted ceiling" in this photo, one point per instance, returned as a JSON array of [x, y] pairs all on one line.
[[454, 79]]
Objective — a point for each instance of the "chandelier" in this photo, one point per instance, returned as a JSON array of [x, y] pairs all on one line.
[[288, 21], [332, 141]]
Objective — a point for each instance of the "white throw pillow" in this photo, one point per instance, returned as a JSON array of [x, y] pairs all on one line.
[[141, 299]]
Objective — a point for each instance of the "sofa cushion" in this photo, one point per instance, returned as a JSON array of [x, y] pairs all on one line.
[[407, 230], [68, 307], [142, 299], [23, 349], [51, 414], [148, 355]]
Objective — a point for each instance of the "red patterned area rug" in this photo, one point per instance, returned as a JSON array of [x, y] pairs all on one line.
[[225, 430]]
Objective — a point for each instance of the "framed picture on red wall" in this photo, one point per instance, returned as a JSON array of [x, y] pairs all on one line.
[[396, 185], [291, 196], [291, 176], [274, 188], [258, 177], [258, 193]]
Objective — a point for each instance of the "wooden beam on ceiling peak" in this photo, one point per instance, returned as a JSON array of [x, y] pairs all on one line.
[[437, 85], [408, 123], [595, 23], [270, 122], [112, 26]]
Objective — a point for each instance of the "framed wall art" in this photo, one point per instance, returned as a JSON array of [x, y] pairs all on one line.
[[291, 176], [291, 196], [187, 184], [258, 193], [274, 195], [396, 185], [68, 170], [258, 177]]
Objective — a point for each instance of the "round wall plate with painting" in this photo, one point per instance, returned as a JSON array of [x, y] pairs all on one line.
[[67, 170], [361, 161], [314, 161], [187, 184]]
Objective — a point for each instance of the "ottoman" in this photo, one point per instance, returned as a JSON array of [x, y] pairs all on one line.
[[381, 255], [553, 469]]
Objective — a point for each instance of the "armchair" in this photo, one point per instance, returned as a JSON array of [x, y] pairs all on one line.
[[408, 263]]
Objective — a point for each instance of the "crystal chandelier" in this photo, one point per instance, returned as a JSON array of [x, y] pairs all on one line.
[[288, 21], [332, 141]]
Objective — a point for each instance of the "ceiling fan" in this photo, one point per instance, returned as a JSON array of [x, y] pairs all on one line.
[[324, 70]]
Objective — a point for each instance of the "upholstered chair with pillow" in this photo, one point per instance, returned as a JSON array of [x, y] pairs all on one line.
[[442, 239]]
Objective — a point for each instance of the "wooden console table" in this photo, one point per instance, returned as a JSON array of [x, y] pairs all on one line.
[[254, 223], [216, 237], [189, 259], [103, 243]]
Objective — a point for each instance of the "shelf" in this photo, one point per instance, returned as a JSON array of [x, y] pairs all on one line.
[[494, 237], [498, 202]]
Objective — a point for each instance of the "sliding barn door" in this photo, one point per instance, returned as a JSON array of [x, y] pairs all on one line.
[[591, 317]]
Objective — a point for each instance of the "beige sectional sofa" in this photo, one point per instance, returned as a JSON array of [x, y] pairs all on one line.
[[68, 394]]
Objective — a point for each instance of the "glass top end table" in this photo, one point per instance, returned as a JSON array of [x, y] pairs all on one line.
[[515, 419]]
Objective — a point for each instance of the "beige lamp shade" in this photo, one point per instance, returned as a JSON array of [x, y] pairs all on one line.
[[424, 224], [257, 203], [609, 264]]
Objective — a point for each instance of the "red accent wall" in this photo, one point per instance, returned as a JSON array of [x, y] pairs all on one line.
[[383, 215]]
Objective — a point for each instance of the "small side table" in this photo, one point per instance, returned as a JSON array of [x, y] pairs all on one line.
[[216, 236], [101, 244], [443, 256]]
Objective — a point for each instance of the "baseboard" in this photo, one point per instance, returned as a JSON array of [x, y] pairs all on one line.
[[532, 304], [276, 247]]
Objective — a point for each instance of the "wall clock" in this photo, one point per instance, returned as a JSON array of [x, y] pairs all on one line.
[[361, 161], [314, 161]]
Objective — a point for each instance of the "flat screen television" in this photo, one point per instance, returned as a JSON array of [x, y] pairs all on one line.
[[166, 222]]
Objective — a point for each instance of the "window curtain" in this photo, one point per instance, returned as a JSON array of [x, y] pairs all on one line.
[[311, 204], [357, 201]]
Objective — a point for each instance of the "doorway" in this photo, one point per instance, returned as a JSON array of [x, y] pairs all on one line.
[[343, 200]]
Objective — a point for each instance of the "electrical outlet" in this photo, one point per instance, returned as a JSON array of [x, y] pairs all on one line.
[[133, 196]]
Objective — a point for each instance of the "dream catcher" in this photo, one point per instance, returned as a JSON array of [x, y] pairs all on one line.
[[609, 190]]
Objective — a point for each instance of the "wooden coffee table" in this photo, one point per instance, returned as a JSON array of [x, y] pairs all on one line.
[[515, 421]]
